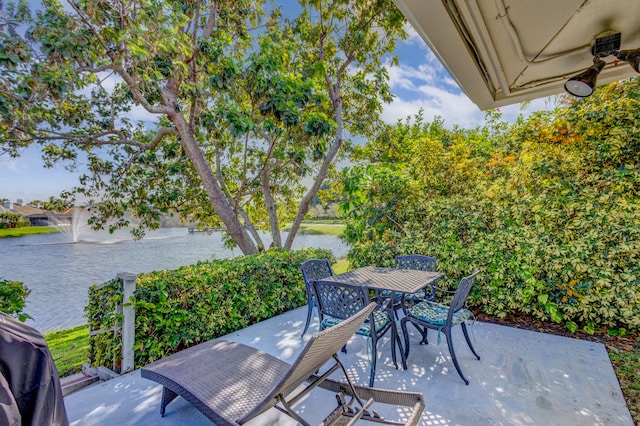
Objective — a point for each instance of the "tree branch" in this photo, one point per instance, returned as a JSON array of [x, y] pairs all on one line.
[[252, 230], [95, 70], [133, 87], [97, 138], [212, 21], [164, 131]]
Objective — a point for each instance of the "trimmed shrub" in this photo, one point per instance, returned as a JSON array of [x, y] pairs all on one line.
[[13, 298], [176, 309]]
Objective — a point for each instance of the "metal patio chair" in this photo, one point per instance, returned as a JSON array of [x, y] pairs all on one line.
[[417, 262], [312, 270], [337, 302], [421, 263], [431, 315]]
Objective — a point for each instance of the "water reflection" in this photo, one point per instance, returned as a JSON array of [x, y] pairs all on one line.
[[58, 273]]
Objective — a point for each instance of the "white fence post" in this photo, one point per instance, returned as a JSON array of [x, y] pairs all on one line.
[[129, 321]]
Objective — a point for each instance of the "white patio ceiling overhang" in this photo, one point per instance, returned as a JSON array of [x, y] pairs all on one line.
[[503, 52]]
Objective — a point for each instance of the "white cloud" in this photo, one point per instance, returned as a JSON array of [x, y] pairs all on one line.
[[424, 69], [405, 77], [413, 38], [410, 78], [453, 108], [8, 163], [423, 83], [426, 86]]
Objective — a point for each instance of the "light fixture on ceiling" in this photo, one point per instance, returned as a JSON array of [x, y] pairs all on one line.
[[606, 44], [630, 56], [584, 83]]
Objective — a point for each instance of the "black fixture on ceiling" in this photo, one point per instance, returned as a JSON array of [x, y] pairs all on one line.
[[583, 84], [630, 56]]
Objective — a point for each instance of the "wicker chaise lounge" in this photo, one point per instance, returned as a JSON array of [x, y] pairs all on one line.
[[231, 383]]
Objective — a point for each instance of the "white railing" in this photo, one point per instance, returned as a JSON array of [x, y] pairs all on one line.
[[128, 326], [129, 321]]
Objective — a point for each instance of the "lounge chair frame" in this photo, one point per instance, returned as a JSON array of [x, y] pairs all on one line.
[[222, 395]]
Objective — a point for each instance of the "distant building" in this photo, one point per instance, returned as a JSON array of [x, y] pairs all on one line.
[[39, 217]]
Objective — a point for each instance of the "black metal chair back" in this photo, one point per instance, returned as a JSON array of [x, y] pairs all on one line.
[[338, 301], [415, 261], [459, 300], [313, 270]]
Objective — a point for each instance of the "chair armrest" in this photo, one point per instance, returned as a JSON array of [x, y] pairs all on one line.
[[446, 295], [443, 290], [384, 306]]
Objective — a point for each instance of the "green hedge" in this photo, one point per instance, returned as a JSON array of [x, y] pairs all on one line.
[[13, 297], [584, 280], [548, 209], [12, 220], [105, 347], [176, 309], [10, 225]]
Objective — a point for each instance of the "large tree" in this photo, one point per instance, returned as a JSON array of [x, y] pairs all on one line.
[[238, 112]]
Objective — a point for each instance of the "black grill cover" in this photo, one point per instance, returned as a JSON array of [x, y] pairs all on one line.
[[30, 392]]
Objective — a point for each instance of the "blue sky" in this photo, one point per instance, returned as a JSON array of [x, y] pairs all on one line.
[[419, 82]]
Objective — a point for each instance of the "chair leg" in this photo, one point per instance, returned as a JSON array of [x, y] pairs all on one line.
[[447, 332], [309, 314], [424, 333], [394, 336], [466, 336], [374, 358], [167, 396], [405, 332], [402, 357]]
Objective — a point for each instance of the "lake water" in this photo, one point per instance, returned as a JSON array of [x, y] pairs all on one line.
[[59, 273]]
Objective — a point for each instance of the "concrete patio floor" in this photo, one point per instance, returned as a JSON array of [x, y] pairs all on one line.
[[522, 378]]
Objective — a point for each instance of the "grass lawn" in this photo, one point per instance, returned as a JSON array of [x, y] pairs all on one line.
[[342, 265], [27, 230], [626, 363], [69, 348], [320, 228]]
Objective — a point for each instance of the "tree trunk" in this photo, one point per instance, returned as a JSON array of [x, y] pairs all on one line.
[[250, 228], [265, 180], [216, 196], [322, 173]]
